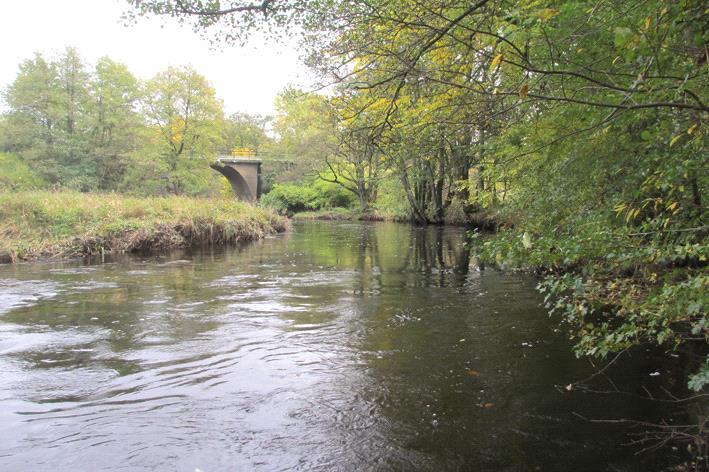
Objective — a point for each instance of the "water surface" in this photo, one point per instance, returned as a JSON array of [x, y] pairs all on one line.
[[338, 346]]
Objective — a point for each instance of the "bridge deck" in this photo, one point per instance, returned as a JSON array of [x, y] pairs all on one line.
[[238, 160]]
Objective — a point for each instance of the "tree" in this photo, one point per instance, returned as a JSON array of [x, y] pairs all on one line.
[[232, 20], [74, 127], [305, 127], [33, 118], [182, 110], [242, 130], [115, 123], [47, 120], [354, 161]]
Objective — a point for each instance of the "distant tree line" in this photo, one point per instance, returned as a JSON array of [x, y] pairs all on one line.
[[98, 128]]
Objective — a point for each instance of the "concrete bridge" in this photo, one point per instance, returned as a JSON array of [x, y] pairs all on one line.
[[244, 175]]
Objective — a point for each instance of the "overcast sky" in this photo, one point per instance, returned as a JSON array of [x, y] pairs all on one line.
[[247, 78]]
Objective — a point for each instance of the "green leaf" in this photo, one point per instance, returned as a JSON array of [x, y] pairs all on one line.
[[700, 379], [621, 36]]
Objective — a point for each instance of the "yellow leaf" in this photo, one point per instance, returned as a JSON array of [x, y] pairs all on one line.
[[691, 129], [548, 13], [523, 91], [674, 140], [648, 22], [496, 61], [632, 214]]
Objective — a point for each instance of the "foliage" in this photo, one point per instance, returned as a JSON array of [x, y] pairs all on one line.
[[391, 200], [16, 175], [104, 130], [185, 114], [329, 195], [295, 198], [305, 128], [73, 127], [289, 198], [245, 131]]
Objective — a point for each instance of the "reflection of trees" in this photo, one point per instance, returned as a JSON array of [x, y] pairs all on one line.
[[389, 253], [438, 253]]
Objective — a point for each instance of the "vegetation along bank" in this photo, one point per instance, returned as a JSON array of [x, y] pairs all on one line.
[[44, 224]]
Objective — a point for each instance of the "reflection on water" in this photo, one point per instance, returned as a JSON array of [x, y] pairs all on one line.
[[347, 346]]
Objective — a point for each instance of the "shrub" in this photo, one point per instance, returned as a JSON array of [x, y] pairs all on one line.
[[16, 175], [330, 195], [290, 198], [295, 198]]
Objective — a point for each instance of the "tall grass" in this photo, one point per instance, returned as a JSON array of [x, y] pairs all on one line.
[[69, 224]]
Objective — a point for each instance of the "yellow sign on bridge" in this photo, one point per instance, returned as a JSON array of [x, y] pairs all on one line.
[[243, 152]]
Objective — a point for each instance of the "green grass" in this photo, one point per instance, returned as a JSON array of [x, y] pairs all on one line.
[[40, 224]]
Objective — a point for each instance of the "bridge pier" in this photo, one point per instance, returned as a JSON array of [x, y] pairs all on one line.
[[243, 174]]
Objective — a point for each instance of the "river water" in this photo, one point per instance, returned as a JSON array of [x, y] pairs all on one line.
[[337, 346]]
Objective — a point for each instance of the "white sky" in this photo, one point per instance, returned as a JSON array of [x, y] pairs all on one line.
[[247, 78]]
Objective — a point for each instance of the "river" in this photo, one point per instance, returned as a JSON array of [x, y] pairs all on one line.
[[336, 346]]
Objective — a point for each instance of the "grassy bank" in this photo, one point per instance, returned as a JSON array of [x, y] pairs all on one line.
[[69, 224]]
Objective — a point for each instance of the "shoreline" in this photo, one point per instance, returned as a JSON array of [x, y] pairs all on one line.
[[480, 220]]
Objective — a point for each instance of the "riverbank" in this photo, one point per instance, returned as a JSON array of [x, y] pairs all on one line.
[[36, 225], [480, 220], [347, 214]]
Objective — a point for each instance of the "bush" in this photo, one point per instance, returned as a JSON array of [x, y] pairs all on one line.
[[290, 198], [295, 198], [16, 175], [331, 195]]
